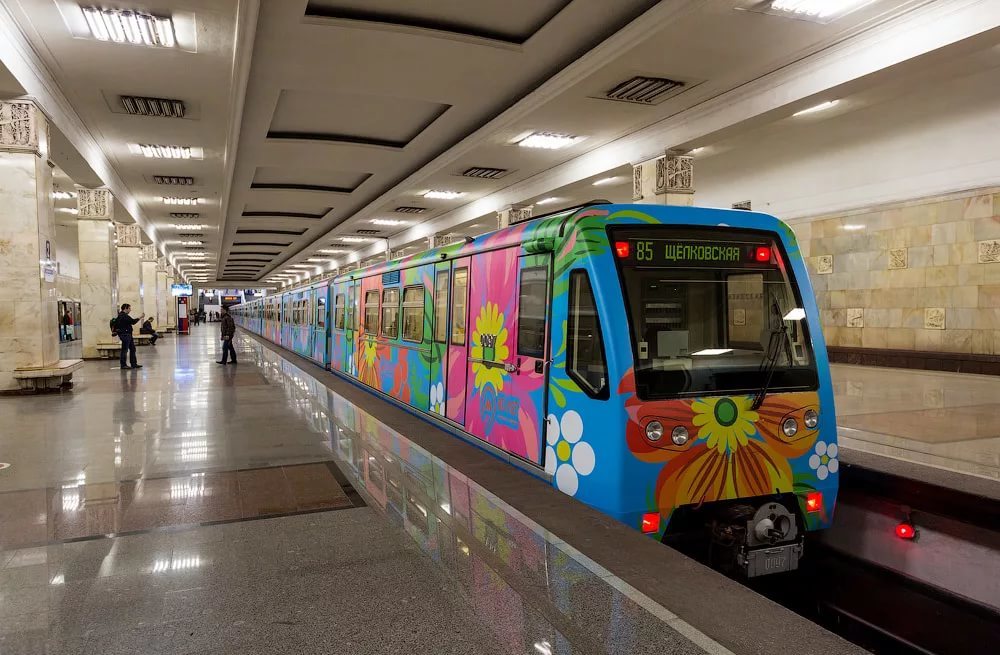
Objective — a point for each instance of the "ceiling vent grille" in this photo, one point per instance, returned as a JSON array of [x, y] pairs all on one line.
[[189, 235], [368, 232], [410, 210], [143, 106], [184, 215], [643, 90], [194, 247], [173, 179], [484, 173]]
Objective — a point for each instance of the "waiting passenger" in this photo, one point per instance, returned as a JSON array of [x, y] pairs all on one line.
[[147, 328], [228, 332], [123, 330]]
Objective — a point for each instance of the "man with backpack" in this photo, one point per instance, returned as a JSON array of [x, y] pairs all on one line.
[[121, 326]]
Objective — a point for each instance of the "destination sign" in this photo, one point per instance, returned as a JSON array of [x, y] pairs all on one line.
[[672, 252]]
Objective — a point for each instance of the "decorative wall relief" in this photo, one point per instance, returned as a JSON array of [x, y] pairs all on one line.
[[18, 126], [855, 317], [897, 258], [934, 318], [149, 253], [824, 265], [93, 203], [128, 235], [637, 182], [989, 251], [675, 174]]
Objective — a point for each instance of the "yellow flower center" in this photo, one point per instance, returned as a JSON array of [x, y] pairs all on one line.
[[824, 459], [563, 450]]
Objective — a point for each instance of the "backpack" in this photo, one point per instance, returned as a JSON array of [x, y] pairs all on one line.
[[114, 326]]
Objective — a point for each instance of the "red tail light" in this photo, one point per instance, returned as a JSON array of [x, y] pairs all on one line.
[[622, 249], [906, 531], [763, 254], [650, 522], [814, 501]]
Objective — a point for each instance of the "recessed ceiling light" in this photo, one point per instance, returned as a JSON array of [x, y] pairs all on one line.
[[127, 26], [608, 180], [329, 251], [156, 151], [179, 180], [816, 8], [442, 195], [194, 226], [192, 243], [548, 140], [145, 106], [388, 221], [318, 259], [546, 201], [820, 107], [356, 239], [180, 201]]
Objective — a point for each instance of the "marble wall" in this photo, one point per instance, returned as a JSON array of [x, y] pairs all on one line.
[[150, 290], [922, 275], [171, 302], [130, 277], [97, 295], [163, 298]]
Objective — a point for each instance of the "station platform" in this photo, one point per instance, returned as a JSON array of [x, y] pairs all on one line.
[[270, 507]]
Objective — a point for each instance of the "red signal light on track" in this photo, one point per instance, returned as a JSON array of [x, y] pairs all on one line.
[[622, 249], [814, 501], [650, 522], [906, 531], [763, 254]]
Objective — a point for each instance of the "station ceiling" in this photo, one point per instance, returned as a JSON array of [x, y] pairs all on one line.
[[311, 123]]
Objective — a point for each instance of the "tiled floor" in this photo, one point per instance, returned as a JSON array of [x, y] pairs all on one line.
[[422, 559], [946, 420]]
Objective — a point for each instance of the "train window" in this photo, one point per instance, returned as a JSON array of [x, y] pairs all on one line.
[[585, 361], [338, 312], [321, 312], [371, 312], [441, 307], [390, 313], [413, 313], [532, 302], [459, 311]]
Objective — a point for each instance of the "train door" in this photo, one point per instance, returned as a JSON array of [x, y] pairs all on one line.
[[439, 337], [320, 327], [508, 304], [351, 327], [458, 342]]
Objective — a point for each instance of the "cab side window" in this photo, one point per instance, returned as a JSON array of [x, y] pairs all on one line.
[[586, 363]]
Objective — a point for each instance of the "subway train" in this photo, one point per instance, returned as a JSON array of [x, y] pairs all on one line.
[[663, 364]]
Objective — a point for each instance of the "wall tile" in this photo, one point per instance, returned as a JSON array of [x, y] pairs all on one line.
[[941, 276], [902, 339], [874, 337]]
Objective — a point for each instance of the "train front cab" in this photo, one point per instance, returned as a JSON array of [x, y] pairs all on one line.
[[675, 318]]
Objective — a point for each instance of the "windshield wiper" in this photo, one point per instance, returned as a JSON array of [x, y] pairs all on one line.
[[778, 341]]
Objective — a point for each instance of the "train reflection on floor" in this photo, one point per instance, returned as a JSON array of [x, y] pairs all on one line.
[[535, 592]]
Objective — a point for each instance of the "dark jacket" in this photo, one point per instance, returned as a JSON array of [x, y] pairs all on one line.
[[228, 326], [124, 323], [147, 328]]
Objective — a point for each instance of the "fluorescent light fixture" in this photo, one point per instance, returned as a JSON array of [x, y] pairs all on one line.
[[820, 107], [608, 180], [356, 239], [195, 226], [127, 26], [155, 151], [853, 227], [63, 195], [816, 8], [192, 243], [796, 314], [548, 140], [442, 195], [67, 210], [713, 351], [391, 222], [330, 251], [318, 259], [180, 201], [546, 201]]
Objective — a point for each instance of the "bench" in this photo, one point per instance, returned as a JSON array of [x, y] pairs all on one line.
[[111, 349], [44, 378]]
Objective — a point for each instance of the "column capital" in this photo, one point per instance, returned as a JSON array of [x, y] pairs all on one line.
[[149, 253], [22, 127], [667, 179], [161, 265], [94, 204], [128, 235], [512, 214]]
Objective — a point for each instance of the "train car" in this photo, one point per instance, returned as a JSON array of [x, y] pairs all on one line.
[[662, 364]]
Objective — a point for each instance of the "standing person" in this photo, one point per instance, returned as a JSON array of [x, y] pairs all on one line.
[[123, 328], [147, 328], [228, 332]]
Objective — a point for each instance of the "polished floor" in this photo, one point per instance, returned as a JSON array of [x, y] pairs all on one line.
[[946, 420], [189, 507]]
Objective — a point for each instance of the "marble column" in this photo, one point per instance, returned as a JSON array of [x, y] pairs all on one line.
[[128, 244], [666, 180], [29, 321], [98, 265], [171, 301], [162, 292], [150, 288], [512, 214]]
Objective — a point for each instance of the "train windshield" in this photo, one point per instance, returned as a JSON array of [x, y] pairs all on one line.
[[706, 308]]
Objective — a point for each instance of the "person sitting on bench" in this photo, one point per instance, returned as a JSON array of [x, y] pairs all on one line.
[[147, 328]]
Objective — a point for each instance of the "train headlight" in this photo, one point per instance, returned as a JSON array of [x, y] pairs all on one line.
[[811, 418], [789, 426], [654, 430], [679, 435]]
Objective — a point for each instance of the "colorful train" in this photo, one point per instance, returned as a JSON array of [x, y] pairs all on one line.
[[662, 364]]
